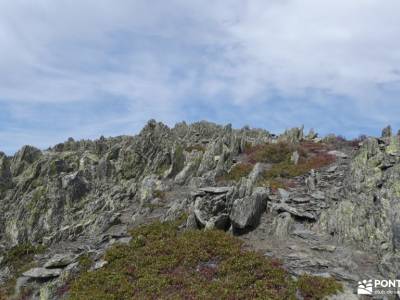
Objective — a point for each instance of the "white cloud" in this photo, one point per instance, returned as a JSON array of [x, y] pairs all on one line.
[[164, 56]]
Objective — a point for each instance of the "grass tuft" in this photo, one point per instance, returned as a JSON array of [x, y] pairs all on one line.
[[314, 287]]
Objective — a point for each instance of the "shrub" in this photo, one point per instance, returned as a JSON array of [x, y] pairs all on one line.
[[163, 263], [85, 262], [287, 170], [314, 287], [19, 259], [21, 255], [269, 153], [238, 171]]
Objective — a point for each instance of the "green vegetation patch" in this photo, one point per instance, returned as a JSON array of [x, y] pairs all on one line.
[[237, 172], [269, 153], [19, 259], [282, 169], [162, 262], [314, 287]]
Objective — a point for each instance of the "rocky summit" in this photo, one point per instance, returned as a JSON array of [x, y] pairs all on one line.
[[243, 208]]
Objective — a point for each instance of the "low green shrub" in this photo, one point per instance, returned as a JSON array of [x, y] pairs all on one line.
[[269, 153], [162, 262], [315, 287], [238, 171]]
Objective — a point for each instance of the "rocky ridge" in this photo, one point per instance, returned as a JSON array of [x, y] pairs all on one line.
[[80, 197]]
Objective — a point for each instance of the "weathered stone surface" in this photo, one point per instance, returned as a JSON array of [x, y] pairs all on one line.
[[338, 154], [60, 260], [100, 264], [283, 207], [284, 194], [209, 207], [42, 273], [81, 196], [247, 211], [215, 190]]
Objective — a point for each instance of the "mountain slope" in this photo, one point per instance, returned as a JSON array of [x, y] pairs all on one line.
[[323, 206]]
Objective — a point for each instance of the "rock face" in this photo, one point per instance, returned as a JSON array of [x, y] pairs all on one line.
[[79, 197], [246, 212]]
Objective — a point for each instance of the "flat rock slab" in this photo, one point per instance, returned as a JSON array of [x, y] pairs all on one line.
[[216, 190], [60, 260], [326, 248], [300, 200], [42, 273], [282, 207], [332, 169]]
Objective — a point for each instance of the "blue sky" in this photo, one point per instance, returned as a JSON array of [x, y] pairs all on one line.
[[104, 67]]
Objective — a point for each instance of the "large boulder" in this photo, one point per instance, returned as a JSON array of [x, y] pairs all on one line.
[[60, 260], [210, 207], [246, 212]]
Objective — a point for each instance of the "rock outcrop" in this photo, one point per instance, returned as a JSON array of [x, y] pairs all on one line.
[[80, 197]]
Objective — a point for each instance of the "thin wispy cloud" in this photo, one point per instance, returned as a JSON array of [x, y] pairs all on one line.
[[87, 68]]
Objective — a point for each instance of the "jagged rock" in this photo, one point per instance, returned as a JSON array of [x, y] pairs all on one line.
[[284, 194], [311, 181], [60, 261], [191, 222], [42, 273], [247, 211], [387, 132], [283, 207], [5, 273], [282, 225], [293, 135], [312, 135], [24, 157], [208, 208], [75, 184], [86, 193], [218, 222], [295, 157], [256, 173]]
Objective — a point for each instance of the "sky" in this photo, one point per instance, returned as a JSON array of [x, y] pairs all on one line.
[[83, 69]]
